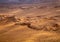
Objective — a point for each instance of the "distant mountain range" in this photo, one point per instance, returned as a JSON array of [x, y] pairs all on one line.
[[29, 1]]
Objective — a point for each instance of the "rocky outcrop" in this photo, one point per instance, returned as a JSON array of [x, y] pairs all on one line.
[[39, 23], [4, 19]]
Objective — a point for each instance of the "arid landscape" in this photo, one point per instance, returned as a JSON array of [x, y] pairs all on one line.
[[29, 23]]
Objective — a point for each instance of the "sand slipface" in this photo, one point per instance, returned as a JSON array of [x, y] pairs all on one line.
[[32, 24]]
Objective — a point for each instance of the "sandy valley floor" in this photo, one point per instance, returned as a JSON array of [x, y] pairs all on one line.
[[30, 24]]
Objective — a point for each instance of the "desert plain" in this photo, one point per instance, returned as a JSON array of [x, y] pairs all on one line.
[[29, 23]]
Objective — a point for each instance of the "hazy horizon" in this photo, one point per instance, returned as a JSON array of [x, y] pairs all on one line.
[[29, 1]]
